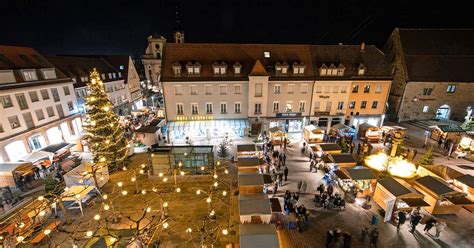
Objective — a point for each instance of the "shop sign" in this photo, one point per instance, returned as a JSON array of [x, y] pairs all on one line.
[[323, 96], [288, 115], [194, 117], [321, 113]]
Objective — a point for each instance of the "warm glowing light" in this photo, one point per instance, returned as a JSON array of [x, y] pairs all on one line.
[[107, 142], [112, 239], [212, 213], [225, 232], [143, 166], [142, 171], [165, 179], [124, 192], [224, 193], [42, 213], [106, 108], [93, 123], [143, 192], [189, 230], [89, 233], [218, 162], [215, 176], [165, 204], [20, 239], [105, 197], [178, 190], [78, 196], [180, 164], [133, 179], [198, 192], [148, 209], [160, 174], [106, 207], [208, 200], [165, 225], [40, 198], [101, 178], [47, 231], [66, 189], [226, 171], [181, 173], [377, 161], [102, 159], [202, 168], [124, 168], [215, 184], [96, 217], [120, 184], [154, 189], [396, 166]]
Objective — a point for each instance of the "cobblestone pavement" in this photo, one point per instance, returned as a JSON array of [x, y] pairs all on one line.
[[457, 234]]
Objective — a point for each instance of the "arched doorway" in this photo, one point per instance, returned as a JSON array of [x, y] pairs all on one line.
[[443, 112]]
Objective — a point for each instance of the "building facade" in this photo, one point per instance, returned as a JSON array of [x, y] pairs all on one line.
[[213, 90], [432, 73], [38, 104], [152, 58]]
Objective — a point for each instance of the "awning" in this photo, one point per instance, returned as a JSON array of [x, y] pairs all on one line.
[[56, 147], [267, 179], [250, 179], [467, 180], [276, 205], [254, 205], [341, 175], [258, 235], [35, 156], [329, 147], [343, 158], [249, 162], [246, 148], [415, 202], [361, 173], [460, 200], [435, 185], [394, 187]]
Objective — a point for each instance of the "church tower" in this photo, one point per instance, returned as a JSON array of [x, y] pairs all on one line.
[[178, 33], [152, 58]]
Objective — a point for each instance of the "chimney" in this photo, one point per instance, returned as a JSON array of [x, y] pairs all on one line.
[[362, 47]]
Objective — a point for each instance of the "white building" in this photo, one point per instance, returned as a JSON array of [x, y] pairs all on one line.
[[38, 104], [153, 57], [79, 68]]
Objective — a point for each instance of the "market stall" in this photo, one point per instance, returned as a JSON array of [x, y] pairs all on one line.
[[441, 198], [391, 130], [258, 235], [465, 148], [255, 209], [148, 135], [328, 148], [83, 175], [359, 178], [312, 134], [391, 195], [440, 171], [466, 184], [60, 150], [277, 135], [10, 173], [246, 150], [250, 183], [75, 197], [370, 133], [446, 131], [342, 160], [342, 130], [249, 164]]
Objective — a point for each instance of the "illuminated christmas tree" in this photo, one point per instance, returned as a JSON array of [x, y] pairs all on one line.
[[105, 136]]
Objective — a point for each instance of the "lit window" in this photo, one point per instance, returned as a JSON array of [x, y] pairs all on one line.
[[367, 89], [352, 104], [289, 106], [302, 105], [266, 55], [355, 88], [451, 88], [426, 108]]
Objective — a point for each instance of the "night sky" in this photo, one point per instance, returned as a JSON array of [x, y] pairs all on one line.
[[121, 26]]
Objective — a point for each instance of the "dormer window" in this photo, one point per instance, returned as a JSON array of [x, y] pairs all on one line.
[[281, 68], [237, 68], [193, 69], [223, 68], [219, 68], [332, 70], [340, 70], [361, 70], [298, 69], [29, 75], [176, 69], [323, 70], [48, 73], [266, 55], [7, 76]]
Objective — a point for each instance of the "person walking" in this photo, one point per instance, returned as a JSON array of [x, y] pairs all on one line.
[[311, 165], [414, 220], [321, 189], [330, 190], [374, 237], [285, 171], [440, 141], [439, 227], [414, 154], [401, 219], [429, 224], [303, 187], [275, 189], [280, 178]]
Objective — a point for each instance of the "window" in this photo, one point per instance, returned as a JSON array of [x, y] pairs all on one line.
[[355, 88], [378, 88], [216, 70], [66, 90], [50, 111], [237, 107], [176, 70], [33, 96], [110, 75], [21, 101], [39, 114], [276, 107], [194, 108], [335, 89], [340, 105], [6, 101], [328, 106], [427, 91], [340, 72], [276, 89], [319, 89], [375, 104], [70, 106], [178, 90], [302, 105], [14, 123], [223, 89], [451, 88], [44, 94], [237, 70], [361, 71], [352, 104], [304, 88], [29, 75], [363, 104], [291, 88], [208, 89], [208, 108], [237, 89], [266, 55], [179, 108], [289, 107], [426, 108], [317, 106], [102, 76], [193, 89], [55, 94], [284, 70], [258, 108], [223, 70], [197, 70], [367, 89], [258, 90], [327, 89], [223, 108], [344, 89]]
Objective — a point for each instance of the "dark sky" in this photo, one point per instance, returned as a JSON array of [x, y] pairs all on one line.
[[121, 26]]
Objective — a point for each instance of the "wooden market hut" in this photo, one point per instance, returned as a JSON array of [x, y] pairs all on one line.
[[249, 164], [330, 148], [277, 135], [446, 131], [391, 195], [246, 150], [342, 130], [11, 171], [255, 209], [250, 183], [363, 177], [312, 134], [343, 160], [258, 235], [369, 132], [466, 184], [441, 198]]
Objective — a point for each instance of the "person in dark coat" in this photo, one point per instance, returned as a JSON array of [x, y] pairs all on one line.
[[414, 220], [401, 219], [440, 141], [285, 170], [330, 190], [429, 224]]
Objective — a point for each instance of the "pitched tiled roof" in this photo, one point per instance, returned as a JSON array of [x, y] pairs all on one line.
[[350, 57], [258, 69], [438, 55], [245, 54]]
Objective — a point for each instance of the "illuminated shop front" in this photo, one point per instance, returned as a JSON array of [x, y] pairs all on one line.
[[205, 127], [289, 122]]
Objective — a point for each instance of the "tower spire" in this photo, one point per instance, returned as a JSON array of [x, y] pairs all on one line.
[[178, 32]]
